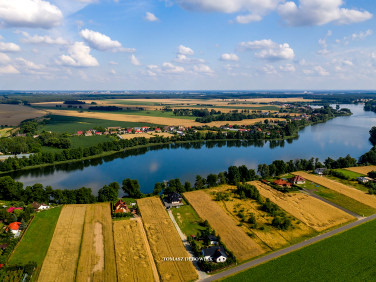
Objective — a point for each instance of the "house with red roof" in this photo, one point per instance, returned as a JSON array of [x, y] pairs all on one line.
[[79, 132], [14, 228], [121, 207], [282, 183], [158, 129]]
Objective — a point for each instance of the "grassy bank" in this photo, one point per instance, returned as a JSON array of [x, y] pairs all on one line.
[[188, 220]]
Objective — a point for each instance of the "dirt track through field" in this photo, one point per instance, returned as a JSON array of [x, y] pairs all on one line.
[[311, 211], [350, 192], [234, 237]]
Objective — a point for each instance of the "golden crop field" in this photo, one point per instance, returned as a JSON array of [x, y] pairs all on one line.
[[5, 132], [13, 114], [362, 169], [234, 237], [146, 135], [61, 260], [154, 120], [311, 211], [270, 237], [97, 258], [133, 256], [165, 242], [350, 192]]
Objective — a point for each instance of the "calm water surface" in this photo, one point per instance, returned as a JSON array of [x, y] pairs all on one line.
[[335, 138]]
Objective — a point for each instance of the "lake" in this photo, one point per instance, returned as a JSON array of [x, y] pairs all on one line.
[[335, 138]]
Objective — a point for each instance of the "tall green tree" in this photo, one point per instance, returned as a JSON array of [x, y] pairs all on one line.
[[132, 188]]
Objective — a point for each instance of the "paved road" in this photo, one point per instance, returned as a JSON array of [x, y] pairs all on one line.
[[309, 192], [287, 250]]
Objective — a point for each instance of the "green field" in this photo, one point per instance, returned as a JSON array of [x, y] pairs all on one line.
[[349, 256], [349, 173], [74, 124], [35, 242], [339, 199], [188, 220]]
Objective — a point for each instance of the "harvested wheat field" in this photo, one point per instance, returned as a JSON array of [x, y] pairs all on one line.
[[146, 135], [62, 256], [313, 212], [133, 256], [362, 169], [97, 259], [165, 242], [234, 237], [270, 237], [13, 114], [154, 120], [350, 192]]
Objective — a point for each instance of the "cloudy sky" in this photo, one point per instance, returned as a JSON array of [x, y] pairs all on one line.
[[187, 44]]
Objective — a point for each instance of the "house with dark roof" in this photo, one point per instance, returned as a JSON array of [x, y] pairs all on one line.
[[212, 239], [173, 200], [39, 207], [297, 179], [215, 254]]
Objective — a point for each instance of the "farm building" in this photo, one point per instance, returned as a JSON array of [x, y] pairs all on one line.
[[173, 200], [363, 179], [321, 170], [39, 207], [120, 206], [282, 183], [215, 254], [297, 179]]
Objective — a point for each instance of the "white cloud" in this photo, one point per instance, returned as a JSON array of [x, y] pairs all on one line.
[[269, 69], [150, 17], [9, 47], [79, 56], [229, 57], [317, 70], [4, 58], [361, 35], [185, 50], [269, 50], [102, 42], [320, 12], [202, 69], [25, 64], [134, 60], [255, 8], [9, 69], [29, 13], [287, 68], [248, 18], [113, 72], [42, 39], [170, 68]]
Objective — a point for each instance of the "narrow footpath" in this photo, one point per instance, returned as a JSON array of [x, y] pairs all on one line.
[[201, 274]]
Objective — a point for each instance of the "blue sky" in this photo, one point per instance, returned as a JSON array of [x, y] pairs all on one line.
[[187, 44]]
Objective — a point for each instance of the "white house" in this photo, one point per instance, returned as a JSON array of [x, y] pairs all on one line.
[[215, 254]]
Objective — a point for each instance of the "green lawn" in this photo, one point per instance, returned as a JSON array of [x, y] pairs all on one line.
[[339, 199], [35, 243], [88, 141], [188, 220], [349, 256], [74, 124], [349, 173]]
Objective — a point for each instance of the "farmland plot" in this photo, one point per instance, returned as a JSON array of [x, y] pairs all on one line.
[[356, 194], [311, 211], [14, 114], [362, 169], [97, 259], [133, 257], [165, 242], [62, 256], [270, 236], [235, 239]]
